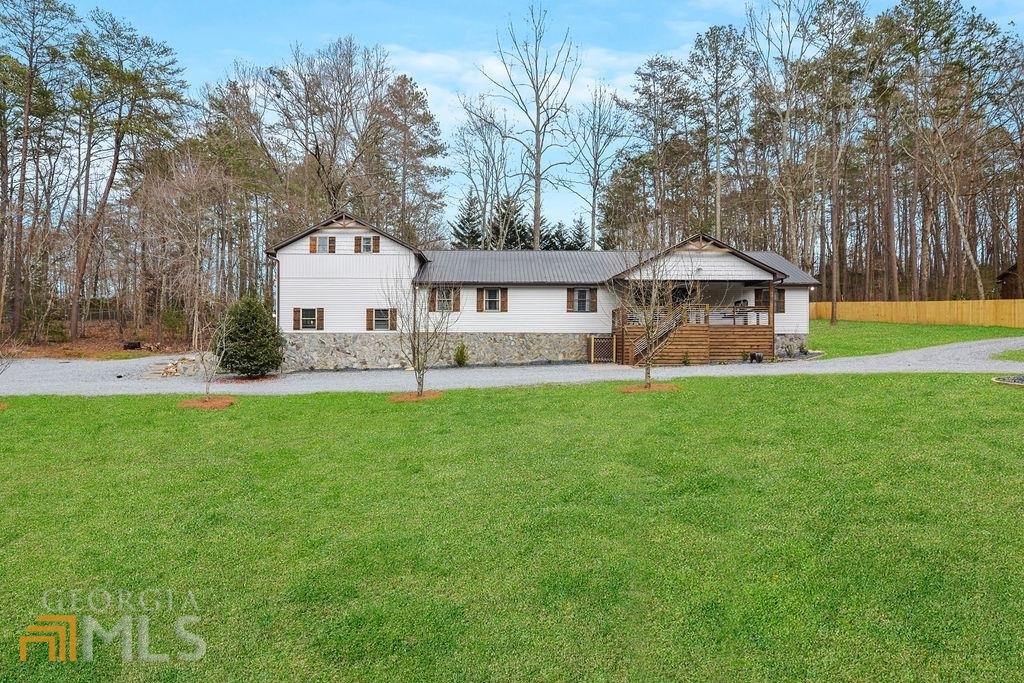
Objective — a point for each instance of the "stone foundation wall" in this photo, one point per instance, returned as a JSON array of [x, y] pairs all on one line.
[[377, 350], [789, 345]]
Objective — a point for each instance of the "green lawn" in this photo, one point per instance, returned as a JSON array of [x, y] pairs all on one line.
[[831, 528], [849, 338], [1014, 354]]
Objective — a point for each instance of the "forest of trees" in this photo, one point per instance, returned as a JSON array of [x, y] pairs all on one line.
[[883, 154]]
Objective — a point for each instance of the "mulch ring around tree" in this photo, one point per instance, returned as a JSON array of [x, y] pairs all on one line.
[[641, 389], [245, 379], [217, 402], [1017, 381], [412, 396]]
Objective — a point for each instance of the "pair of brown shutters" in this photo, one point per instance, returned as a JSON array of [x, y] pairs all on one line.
[[456, 303], [297, 318], [332, 243], [570, 301], [359, 245], [392, 319], [480, 299]]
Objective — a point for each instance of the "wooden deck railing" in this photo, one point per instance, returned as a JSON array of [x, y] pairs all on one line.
[[695, 314]]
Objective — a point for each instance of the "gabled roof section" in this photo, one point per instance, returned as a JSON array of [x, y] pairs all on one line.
[[520, 267], [702, 241], [795, 277], [342, 220]]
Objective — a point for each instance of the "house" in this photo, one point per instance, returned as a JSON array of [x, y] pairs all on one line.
[[336, 286], [1007, 281]]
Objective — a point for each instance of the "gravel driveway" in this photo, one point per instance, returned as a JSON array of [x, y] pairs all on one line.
[[99, 378]]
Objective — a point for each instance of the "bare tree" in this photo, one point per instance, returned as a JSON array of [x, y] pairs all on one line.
[[9, 350], [536, 82], [595, 130], [422, 316]]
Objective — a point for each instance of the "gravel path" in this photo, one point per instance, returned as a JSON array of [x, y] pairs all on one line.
[[99, 378]]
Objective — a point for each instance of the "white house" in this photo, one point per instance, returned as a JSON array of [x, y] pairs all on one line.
[[338, 281]]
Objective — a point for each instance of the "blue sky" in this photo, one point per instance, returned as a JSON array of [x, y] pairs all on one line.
[[440, 45]]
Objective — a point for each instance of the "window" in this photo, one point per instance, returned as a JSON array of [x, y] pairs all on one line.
[[321, 245], [367, 245], [307, 318], [761, 299], [444, 299], [582, 300], [492, 299], [378, 319]]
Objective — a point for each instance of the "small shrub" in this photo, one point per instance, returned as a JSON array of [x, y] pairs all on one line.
[[461, 355], [172, 320], [251, 344], [803, 348], [686, 358], [56, 333], [745, 357]]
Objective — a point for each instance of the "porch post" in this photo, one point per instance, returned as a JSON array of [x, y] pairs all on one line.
[[771, 305]]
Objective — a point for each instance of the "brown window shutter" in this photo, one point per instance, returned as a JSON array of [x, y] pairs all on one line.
[[455, 299], [376, 244], [319, 318], [332, 243], [369, 319], [312, 245], [432, 300], [479, 299], [392, 319], [570, 294], [296, 318], [593, 300], [359, 245], [504, 299]]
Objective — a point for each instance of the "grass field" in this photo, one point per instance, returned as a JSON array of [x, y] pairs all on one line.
[[1015, 354], [857, 527], [850, 338]]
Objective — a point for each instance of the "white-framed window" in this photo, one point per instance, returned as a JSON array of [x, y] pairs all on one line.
[[307, 319], [492, 299], [367, 245], [445, 297], [323, 245], [582, 299], [381, 319]]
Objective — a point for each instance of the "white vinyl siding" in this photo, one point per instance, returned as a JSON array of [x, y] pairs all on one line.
[[534, 309], [798, 311], [708, 265], [345, 284]]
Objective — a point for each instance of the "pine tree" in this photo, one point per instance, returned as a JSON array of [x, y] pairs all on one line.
[[467, 230], [508, 227], [579, 237], [251, 344], [553, 238]]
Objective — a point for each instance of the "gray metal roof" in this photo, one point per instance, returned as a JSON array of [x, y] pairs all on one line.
[[556, 267], [794, 276], [522, 267]]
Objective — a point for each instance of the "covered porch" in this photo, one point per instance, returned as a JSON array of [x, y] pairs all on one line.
[[714, 322]]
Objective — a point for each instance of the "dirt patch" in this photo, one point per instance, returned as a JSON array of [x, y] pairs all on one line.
[[641, 389], [209, 402], [242, 379], [3, 406], [104, 340], [412, 396]]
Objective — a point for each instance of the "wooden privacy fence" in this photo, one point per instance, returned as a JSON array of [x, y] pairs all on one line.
[[995, 312]]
